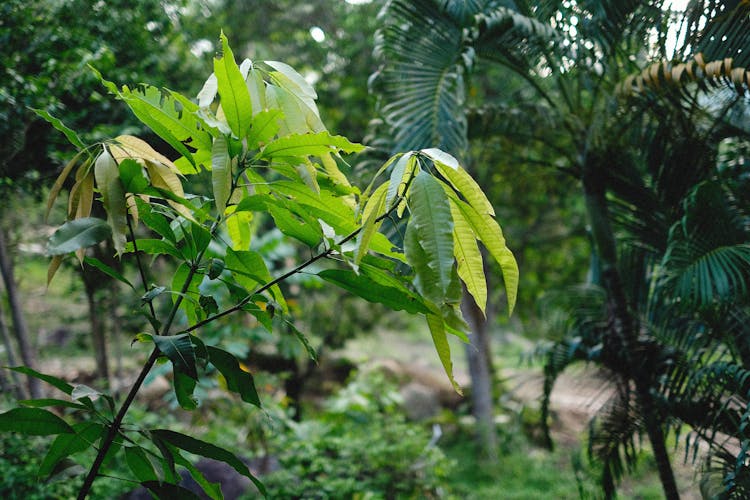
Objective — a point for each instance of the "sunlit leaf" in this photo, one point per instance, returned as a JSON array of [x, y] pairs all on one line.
[[108, 181], [235, 98]]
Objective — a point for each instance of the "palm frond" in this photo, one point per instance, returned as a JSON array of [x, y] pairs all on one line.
[[421, 76], [612, 438]]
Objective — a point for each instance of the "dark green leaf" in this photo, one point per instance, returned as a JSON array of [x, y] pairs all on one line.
[[42, 403], [113, 273], [53, 381], [79, 233], [238, 380], [184, 386], [139, 464], [429, 247], [132, 178], [167, 490], [154, 247], [33, 422], [208, 450], [66, 445], [59, 125], [376, 286], [180, 351]]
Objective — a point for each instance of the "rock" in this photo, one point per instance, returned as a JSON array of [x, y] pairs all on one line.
[[419, 401]]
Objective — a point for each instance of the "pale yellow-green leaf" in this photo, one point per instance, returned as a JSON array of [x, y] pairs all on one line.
[[57, 186], [468, 258], [332, 170], [162, 177], [373, 209], [257, 89], [309, 175], [297, 80], [438, 155], [401, 174], [129, 146], [238, 227], [488, 231], [107, 176], [466, 186], [440, 339], [221, 174]]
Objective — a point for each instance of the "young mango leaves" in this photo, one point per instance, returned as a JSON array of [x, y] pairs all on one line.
[[258, 132], [448, 215]]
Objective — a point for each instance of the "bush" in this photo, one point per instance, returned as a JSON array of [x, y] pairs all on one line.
[[19, 462], [358, 451]]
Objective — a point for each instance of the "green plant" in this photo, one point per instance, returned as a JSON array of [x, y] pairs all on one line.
[[361, 447], [255, 137]]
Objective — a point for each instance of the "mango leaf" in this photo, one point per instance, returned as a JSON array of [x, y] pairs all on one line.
[[57, 186], [51, 380], [318, 144], [180, 351], [238, 380], [155, 221], [168, 490], [488, 231], [375, 285], [159, 111], [440, 339], [238, 227], [295, 78], [208, 450], [374, 208], [42, 403], [469, 259], [131, 147], [184, 387], [33, 422], [466, 187], [221, 174], [154, 247], [191, 291], [213, 490], [256, 87], [402, 172], [429, 237], [109, 271], [264, 127], [294, 226], [139, 464], [297, 117], [235, 98], [79, 233], [59, 125], [107, 175], [65, 445]]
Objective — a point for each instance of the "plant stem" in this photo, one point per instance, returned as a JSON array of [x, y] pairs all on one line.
[[117, 422]]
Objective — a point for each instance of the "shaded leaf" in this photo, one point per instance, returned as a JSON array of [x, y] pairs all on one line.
[[65, 445], [238, 380], [33, 422], [79, 233], [208, 450]]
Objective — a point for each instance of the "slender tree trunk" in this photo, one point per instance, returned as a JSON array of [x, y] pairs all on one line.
[[97, 326], [623, 335], [18, 389], [19, 322], [477, 356]]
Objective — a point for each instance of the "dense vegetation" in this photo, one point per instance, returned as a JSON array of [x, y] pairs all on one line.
[[225, 228]]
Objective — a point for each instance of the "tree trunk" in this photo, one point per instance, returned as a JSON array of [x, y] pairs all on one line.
[[623, 336], [19, 323], [477, 355], [98, 328], [16, 385]]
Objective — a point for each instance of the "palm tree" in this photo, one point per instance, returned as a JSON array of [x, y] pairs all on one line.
[[575, 59]]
